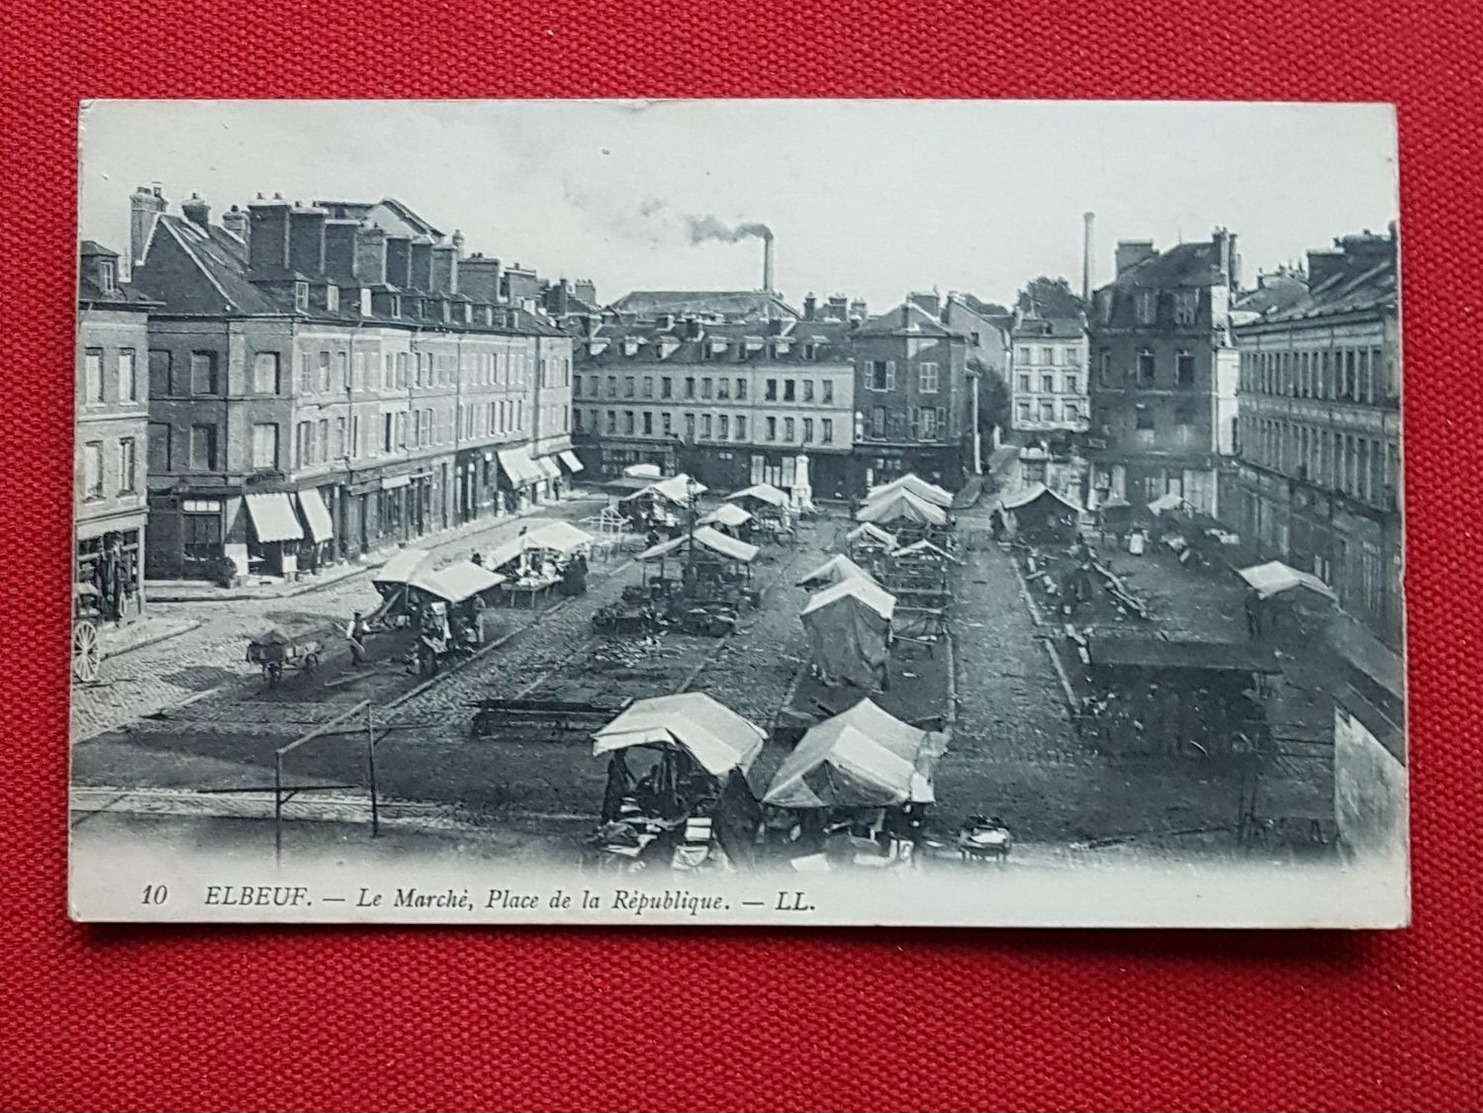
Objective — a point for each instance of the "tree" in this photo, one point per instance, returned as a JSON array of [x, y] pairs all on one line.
[[993, 399], [1050, 297]]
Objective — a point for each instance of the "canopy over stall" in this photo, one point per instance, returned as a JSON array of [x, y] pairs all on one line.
[[706, 538], [760, 492], [849, 632], [901, 506], [458, 583], [863, 758], [1038, 511], [727, 514], [559, 537], [678, 489], [927, 492], [835, 570], [1274, 577], [643, 471], [871, 536], [717, 738], [923, 549], [1167, 502], [401, 568]]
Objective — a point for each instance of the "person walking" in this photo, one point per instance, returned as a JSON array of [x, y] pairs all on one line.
[[1253, 615], [356, 635]]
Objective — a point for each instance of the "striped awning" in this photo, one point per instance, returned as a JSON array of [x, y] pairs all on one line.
[[519, 467], [569, 458], [273, 518], [547, 467], [316, 515]]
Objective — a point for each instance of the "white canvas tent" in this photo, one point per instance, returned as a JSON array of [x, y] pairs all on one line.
[[923, 548], [642, 471], [1167, 502], [707, 538], [870, 535], [927, 492], [835, 570], [717, 738], [401, 568], [727, 514], [864, 757], [1274, 577], [849, 632], [676, 489], [559, 537], [458, 582], [761, 492], [901, 506]]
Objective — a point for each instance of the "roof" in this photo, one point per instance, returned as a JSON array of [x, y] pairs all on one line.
[[927, 492], [714, 735], [1050, 328], [1032, 494], [459, 581], [1276, 292], [1186, 264], [835, 570], [401, 568], [863, 757], [866, 592], [559, 536], [760, 492], [870, 532], [734, 305], [396, 217], [924, 548], [707, 538], [1274, 577], [625, 341], [1356, 289], [1129, 651], [907, 319], [727, 514], [196, 270], [901, 505]]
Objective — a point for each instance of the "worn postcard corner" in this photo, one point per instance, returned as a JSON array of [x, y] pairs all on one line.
[[762, 513]]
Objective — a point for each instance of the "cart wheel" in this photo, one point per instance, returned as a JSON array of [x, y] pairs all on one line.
[[311, 662], [86, 656]]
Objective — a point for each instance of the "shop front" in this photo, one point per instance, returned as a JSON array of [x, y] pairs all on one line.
[[520, 477], [109, 558], [274, 534], [318, 546]]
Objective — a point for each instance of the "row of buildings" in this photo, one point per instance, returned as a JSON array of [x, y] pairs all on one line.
[[302, 383]]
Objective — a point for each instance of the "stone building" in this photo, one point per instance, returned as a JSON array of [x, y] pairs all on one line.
[[1318, 480], [320, 386], [111, 411], [1048, 374]]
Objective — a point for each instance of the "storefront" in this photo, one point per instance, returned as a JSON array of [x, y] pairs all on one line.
[[520, 476], [318, 547], [274, 534], [111, 560]]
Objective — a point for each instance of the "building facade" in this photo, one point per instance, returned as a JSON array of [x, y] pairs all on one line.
[[734, 388], [1048, 375], [320, 387], [112, 426], [1163, 373], [913, 399], [1319, 466]]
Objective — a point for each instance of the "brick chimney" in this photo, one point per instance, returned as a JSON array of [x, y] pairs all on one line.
[[585, 289], [370, 254], [1132, 252], [267, 238], [145, 206], [422, 264], [340, 251], [445, 268], [1322, 266], [479, 278], [1088, 256], [399, 261], [810, 307], [767, 265], [196, 211], [306, 240], [234, 220]]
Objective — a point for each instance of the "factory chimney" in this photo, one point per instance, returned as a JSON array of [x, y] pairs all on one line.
[[767, 264], [1086, 258]]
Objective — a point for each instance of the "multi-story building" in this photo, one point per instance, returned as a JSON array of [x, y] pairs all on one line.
[[320, 385], [987, 327], [1163, 374], [732, 387], [1048, 374], [1319, 467], [913, 398], [112, 424]]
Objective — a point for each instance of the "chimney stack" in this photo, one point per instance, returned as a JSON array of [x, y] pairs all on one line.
[[145, 205], [370, 254], [196, 211], [1132, 252], [422, 264], [1087, 257], [479, 278], [445, 268], [767, 263], [234, 220], [340, 251], [399, 262], [306, 240], [267, 238], [810, 307]]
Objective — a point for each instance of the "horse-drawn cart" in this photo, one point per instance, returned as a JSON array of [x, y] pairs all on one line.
[[87, 614], [298, 643]]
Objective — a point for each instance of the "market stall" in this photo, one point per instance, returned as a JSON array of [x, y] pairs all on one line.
[[702, 578], [391, 581], [916, 485], [902, 509], [849, 632], [676, 790], [730, 519], [834, 570], [768, 506], [463, 590], [859, 783], [1039, 515], [868, 541], [1285, 603]]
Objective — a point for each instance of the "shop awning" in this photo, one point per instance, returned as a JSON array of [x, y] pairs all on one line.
[[519, 467], [1274, 577], [396, 482], [569, 458], [316, 515], [273, 518], [547, 467]]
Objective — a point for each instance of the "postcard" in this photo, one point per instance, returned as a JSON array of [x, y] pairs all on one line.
[[964, 513]]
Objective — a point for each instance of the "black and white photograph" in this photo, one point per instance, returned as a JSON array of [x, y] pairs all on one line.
[[772, 512]]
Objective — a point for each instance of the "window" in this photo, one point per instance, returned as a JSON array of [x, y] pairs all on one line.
[[106, 275], [332, 298], [159, 374], [666, 387], [612, 422], [1073, 357], [1184, 369], [741, 427], [337, 448], [772, 428], [723, 430], [723, 389], [1185, 304], [667, 422], [788, 429], [808, 430], [577, 421], [883, 374], [826, 430], [203, 447], [828, 391], [928, 423], [1145, 368], [707, 387], [342, 371], [577, 387], [628, 423], [741, 390], [265, 446], [1047, 384], [1024, 384], [92, 470], [301, 297], [1146, 304], [789, 390], [323, 440], [1022, 355], [770, 390], [689, 427], [648, 386], [265, 373], [927, 378], [200, 535], [1072, 411], [401, 370], [1048, 356], [648, 423], [1047, 411], [1022, 412], [1070, 383], [128, 377], [612, 386], [1104, 368], [628, 384], [705, 427], [387, 431], [808, 390], [878, 422], [689, 388], [1143, 418], [93, 372]]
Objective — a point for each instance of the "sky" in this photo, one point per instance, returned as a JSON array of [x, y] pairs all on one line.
[[868, 198]]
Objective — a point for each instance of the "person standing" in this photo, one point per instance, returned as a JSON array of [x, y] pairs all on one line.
[[357, 638]]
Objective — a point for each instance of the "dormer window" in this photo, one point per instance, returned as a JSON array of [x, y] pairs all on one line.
[[396, 305], [1147, 304], [468, 313], [301, 297], [332, 298], [630, 345], [489, 316], [365, 301], [107, 276]]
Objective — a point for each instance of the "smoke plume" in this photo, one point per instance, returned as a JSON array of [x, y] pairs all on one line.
[[705, 228]]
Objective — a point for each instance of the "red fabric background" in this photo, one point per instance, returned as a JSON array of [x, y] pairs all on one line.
[[132, 1018]]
